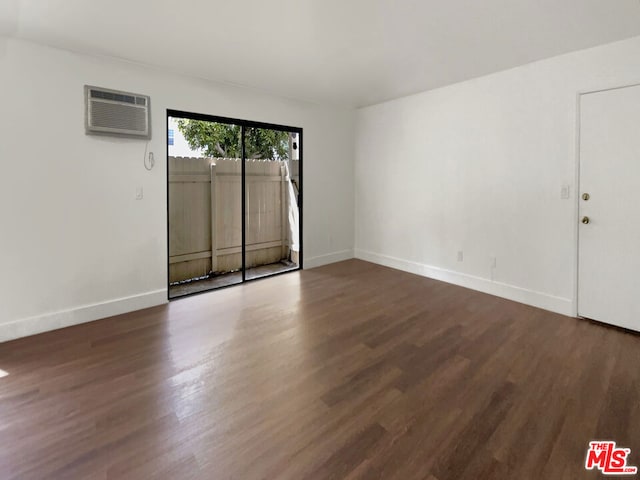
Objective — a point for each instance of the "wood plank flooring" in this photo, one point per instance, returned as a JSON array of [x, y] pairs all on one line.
[[349, 371]]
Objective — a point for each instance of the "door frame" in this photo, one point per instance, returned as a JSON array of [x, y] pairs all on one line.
[[243, 125], [576, 215]]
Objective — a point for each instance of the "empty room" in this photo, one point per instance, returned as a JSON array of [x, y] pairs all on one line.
[[319, 239]]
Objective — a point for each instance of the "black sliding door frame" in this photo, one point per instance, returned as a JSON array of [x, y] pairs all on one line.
[[244, 124], [243, 208]]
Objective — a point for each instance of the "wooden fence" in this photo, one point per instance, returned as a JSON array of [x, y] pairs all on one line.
[[205, 205]]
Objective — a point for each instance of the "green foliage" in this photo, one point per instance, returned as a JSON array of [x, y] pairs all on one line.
[[222, 140]]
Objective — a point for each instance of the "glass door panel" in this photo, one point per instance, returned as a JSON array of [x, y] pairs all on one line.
[[272, 220], [205, 205]]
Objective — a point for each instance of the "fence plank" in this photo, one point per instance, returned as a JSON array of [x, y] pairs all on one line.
[[283, 208], [214, 243]]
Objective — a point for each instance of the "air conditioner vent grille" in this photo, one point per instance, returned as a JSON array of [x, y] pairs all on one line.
[[111, 112], [116, 97], [121, 117]]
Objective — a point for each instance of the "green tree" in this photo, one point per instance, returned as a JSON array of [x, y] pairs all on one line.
[[223, 140]]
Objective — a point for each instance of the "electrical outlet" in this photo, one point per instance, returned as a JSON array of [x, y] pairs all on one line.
[[492, 261], [139, 193], [460, 256], [564, 192]]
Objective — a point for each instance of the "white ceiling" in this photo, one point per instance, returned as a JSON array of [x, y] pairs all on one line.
[[353, 52]]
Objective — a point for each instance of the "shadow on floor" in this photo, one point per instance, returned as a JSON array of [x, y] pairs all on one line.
[[226, 279]]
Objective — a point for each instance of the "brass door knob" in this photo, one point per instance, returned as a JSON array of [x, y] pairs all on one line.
[[585, 220], [586, 196]]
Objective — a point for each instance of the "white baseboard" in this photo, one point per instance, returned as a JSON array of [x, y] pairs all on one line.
[[83, 314], [333, 257], [542, 300]]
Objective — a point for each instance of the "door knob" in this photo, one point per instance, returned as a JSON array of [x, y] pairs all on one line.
[[586, 196], [585, 220]]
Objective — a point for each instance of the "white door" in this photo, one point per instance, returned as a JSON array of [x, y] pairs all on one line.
[[609, 244]]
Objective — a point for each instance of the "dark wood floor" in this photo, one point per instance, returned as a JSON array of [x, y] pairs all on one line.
[[347, 371]]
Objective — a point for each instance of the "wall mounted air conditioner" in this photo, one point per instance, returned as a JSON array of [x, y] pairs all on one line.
[[111, 112]]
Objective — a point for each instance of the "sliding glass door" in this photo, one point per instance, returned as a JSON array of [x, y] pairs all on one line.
[[272, 219], [234, 201]]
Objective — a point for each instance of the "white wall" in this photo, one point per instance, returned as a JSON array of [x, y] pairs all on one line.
[[478, 167], [75, 245]]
